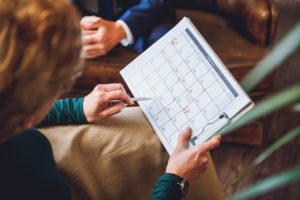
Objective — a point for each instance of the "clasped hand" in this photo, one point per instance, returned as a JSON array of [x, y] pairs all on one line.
[[99, 36]]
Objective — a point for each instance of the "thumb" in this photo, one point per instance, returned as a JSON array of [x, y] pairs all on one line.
[[183, 139]]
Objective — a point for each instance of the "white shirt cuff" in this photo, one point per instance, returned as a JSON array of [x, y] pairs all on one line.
[[129, 37]]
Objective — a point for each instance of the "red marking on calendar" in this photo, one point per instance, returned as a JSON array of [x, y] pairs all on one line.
[[186, 109]]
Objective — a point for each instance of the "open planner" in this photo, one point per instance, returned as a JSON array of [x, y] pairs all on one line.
[[189, 87]]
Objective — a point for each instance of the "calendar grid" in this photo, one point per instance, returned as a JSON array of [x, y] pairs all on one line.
[[186, 85], [174, 115]]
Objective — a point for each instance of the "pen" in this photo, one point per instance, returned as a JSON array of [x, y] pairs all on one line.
[[133, 99]]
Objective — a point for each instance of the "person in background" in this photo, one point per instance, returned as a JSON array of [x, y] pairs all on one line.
[[39, 58], [134, 23]]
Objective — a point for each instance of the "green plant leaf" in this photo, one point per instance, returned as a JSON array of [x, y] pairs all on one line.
[[265, 154], [265, 107], [268, 184], [274, 58], [276, 145], [296, 107]]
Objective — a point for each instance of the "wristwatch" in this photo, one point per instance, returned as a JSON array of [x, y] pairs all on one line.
[[184, 186]]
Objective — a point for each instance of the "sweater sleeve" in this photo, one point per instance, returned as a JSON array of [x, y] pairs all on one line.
[[66, 111], [167, 188]]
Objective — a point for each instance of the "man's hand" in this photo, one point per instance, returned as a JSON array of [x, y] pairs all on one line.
[[99, 36], [189, 163], [97, 105]]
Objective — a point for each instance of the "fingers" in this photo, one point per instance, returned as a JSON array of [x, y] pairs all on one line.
[[97, 105], [110, 87], [90, 38], [210, 144], [183, 139], [114, 91], [90, 22], [88, 32], [99, 41], [116, 108], [98, 48], [117, 95], [92, 46]]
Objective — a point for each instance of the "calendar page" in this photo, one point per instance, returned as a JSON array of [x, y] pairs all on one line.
[[189, 87]]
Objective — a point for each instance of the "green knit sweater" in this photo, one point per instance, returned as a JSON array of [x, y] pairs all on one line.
[[28, 170]]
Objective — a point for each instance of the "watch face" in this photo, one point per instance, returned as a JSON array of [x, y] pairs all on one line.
[[184, 187]]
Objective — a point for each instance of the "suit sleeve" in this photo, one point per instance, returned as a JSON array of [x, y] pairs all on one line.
[[66, 111], [144, 16]]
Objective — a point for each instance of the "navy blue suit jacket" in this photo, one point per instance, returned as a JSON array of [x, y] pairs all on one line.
[[141, 16]]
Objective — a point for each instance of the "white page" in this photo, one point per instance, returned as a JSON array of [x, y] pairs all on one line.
[[188, 84]]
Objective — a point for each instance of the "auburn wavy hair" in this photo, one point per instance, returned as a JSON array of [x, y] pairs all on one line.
[[40, 47]]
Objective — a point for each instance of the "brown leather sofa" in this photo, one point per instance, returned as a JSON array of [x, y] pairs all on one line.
[[255, 19]]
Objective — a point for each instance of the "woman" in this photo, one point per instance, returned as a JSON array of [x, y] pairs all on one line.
[[39, 57]]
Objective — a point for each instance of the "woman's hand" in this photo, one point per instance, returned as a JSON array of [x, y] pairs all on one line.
[[189, 163], [97, 105]]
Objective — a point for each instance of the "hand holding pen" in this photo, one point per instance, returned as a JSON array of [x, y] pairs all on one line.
[[104, 101]]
